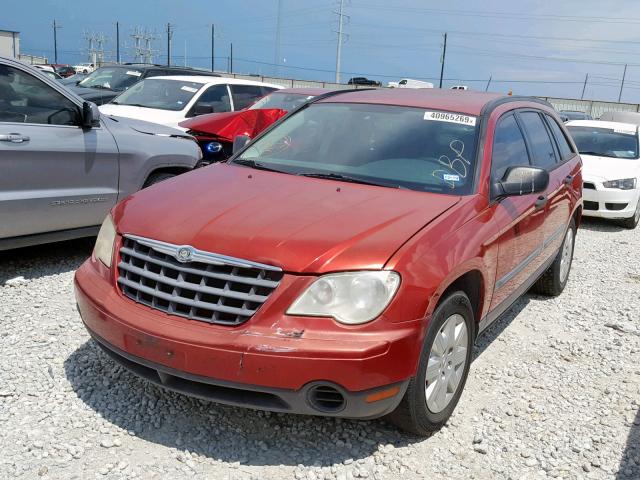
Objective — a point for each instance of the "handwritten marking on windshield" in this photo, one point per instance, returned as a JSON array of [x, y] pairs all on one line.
[[457, 166]]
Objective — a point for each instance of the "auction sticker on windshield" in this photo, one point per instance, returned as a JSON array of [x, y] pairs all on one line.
[[133, 73], [188, 89], [451, 118]]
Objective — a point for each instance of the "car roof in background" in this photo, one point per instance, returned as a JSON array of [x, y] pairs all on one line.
[[468, 102], [626, 117], [306, 91], [204, 79], [602, 124]]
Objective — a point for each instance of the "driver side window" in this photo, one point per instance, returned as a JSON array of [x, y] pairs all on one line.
[[509, 149], [215, 98], [26, 99]]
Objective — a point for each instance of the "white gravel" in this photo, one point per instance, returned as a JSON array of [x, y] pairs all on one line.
[[553, 392]]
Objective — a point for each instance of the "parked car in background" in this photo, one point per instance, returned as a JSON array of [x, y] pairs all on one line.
[[567, 115], [84, 67], [170, 100], [52, 75], [63, 70], [460, 87], [611, 170], [364, 81], [64, 166], [344, 262], [44, 67], [74, 79], [106, 83], [216, 132], [410, 83]]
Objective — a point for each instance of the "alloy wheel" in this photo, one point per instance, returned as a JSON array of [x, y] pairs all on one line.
[[447, 360]]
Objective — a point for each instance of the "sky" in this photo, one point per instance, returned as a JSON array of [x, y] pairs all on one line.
[[528, 47]]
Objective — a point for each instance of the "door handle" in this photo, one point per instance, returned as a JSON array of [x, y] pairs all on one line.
[[568, 180], [14, 138], [541, 201]]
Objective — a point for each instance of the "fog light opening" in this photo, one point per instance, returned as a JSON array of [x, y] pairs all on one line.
[[326, 398]]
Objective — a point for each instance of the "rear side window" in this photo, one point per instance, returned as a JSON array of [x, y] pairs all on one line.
[[509, 149], [561, 140], [542, 151], [266, 90], [245, 95]]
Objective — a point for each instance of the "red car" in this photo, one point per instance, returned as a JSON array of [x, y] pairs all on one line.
[[215, 132], [344, 262]]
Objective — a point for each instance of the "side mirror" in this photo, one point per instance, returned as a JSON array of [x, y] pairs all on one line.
[[240, 142], [521, 181], [202, 109], [90, 115]]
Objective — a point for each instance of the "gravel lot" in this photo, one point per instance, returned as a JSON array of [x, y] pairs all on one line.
[[554, 391]]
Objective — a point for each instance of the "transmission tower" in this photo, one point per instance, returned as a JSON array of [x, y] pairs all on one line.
[[143, 45], [95, 47], [342, 21]]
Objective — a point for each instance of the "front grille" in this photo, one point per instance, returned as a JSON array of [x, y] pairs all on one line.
[[211, 288], [589, 185], [590, 205]]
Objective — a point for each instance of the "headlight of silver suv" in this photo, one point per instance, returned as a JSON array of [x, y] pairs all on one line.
[[624, 184], [349, 297], [103, 250]]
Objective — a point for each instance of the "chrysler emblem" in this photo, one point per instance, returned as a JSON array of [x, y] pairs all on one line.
[[184, 254]]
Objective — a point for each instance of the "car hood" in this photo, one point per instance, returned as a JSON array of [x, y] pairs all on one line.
[[226, 126], [96, 95], [606, 168], [148, 128], [155, 115], [300, 224]]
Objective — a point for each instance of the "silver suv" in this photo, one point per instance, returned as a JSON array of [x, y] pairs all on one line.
[[63, 165]]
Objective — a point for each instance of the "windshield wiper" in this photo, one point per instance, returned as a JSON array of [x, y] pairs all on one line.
[[256, 165], [346, 178]]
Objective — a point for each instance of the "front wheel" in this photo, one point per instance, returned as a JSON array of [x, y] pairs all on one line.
[[157, 178], [433, 393], [632, 222]]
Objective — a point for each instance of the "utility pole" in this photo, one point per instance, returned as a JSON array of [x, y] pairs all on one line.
[[444, 53], [486, 89], [169, 34], [213, 34], [117, 42], [185, 53], [55, 41], [624, 74], [339, 51], [276, 53], [584, 87], [231, 59]]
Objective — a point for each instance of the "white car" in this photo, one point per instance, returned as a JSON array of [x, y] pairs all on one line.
[[410, 83], [45, 68], [84, 67], [611, 169], [172, 99]]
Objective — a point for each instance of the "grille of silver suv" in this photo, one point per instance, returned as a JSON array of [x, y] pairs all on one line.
[[181, 280]]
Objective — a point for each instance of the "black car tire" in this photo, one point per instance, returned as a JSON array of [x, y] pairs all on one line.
[[413, 414], [550, 282], [632, 222]]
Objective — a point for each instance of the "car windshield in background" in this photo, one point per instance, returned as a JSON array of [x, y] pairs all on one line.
[[159, 93], [392, 146], [116, 79], [283, 101], [576, 115], [605, 142]]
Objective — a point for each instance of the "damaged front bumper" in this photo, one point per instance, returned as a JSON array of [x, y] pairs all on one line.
[[296, 365]]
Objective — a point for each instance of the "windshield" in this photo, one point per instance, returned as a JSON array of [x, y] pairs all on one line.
[[116, 79], [605, 142], [576, 115], [159, 93], [283, 101], [392, 146]]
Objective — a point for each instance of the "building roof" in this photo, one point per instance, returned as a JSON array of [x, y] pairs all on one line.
[[463, 101], [8, 31]]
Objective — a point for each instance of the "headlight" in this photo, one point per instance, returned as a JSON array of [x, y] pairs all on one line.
[[624, 184], [103, 249], [350, 297]]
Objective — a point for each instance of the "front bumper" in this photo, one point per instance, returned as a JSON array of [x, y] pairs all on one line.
[[248, 366], [608, 202]]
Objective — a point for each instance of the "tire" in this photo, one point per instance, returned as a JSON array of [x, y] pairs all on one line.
[[553, 281], [416, 412], [157, 178], [632, 222]]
